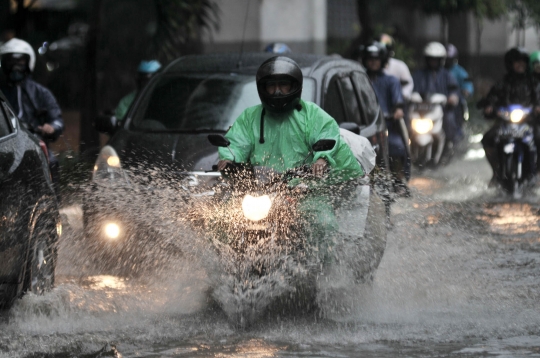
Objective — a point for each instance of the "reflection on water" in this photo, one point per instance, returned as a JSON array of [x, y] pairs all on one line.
[[474, 154], [512, 219], [427, 186], [105, 281]]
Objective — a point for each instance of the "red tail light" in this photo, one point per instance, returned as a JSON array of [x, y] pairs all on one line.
[[43, 147]]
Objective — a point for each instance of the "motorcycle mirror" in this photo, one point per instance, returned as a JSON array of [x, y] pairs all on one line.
[[218, 140], [323, 145], [351, 127]]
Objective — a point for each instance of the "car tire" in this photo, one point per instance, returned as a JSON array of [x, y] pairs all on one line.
[[42, 256]]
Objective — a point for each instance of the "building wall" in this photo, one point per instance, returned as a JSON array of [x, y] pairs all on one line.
[[300, 24]]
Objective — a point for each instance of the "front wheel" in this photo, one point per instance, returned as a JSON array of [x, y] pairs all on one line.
[[39, 277]]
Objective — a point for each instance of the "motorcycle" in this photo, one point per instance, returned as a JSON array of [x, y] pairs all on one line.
[[515, 137], [428, 139], [267, 253]]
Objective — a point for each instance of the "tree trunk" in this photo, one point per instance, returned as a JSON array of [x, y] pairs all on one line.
[[89, 137], [367, 32]]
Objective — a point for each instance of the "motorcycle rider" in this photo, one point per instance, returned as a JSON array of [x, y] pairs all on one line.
[[434, 78], [280, 132], [466, 88], [517, 87], [388, 91], [145, 71], [397, 68], [34, 104]]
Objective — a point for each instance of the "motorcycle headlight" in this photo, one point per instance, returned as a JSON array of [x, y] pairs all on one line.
[[256, 208], [516, 115], [108, 170], [422, 125]]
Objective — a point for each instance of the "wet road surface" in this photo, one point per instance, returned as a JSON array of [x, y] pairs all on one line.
[[460, 278]]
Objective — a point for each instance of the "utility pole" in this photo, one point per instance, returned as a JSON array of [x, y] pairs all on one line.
[[89, 137]]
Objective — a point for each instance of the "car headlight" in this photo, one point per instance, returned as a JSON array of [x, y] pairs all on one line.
[[517, 115], [108, 169], [422, 125], [256, 208]]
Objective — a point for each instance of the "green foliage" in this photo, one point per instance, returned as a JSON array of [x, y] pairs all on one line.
[[179, 25]]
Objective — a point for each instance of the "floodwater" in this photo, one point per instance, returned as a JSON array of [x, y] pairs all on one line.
[[460, 277]]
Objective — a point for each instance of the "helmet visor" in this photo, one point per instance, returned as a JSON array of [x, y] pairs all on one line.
[[273, 87]]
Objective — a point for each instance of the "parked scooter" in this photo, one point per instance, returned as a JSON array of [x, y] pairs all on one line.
[[428, 139], [514, 140]]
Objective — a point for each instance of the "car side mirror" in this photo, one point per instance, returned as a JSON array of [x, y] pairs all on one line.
[[351, 127], [218, 140], [323, 145], [106, 123]]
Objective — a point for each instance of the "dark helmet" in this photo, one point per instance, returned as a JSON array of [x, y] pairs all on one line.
[[451, 52], [277, 48], [279, 68], [513, 55], [375, 50], [451, 55]]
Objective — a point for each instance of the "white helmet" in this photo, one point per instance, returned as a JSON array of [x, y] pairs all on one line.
[[19, 46], [435, 49]]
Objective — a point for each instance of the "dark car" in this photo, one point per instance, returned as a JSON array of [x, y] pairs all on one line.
[[29, 218], [168, 124]]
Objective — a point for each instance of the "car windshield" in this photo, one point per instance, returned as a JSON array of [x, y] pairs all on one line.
[[200, 102]]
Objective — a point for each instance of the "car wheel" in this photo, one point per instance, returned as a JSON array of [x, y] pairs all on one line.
[[41, 264]]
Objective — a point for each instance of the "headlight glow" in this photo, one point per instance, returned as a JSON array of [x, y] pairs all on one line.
[[422, 125], [516, 115], [256, 208], [108, 169], [112, 230], [113, 161]]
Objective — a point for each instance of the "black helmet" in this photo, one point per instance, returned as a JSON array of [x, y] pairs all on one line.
[[279, 68], [513, 55], [375, 50]]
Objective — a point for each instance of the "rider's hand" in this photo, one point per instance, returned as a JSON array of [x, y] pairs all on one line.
[[453, 100], [319, 167], [46, 129], [398, 114], [222, 164], [488, 110]]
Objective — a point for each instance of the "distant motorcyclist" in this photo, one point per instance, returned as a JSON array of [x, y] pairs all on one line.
[[397, 68], [145, 71], [466, 88], [434, 78], [388, 91], [517, 87], [280, 132], [34, 104], [277, 48], [534, 62]]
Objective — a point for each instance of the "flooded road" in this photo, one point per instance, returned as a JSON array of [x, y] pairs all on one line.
[[460, 277]]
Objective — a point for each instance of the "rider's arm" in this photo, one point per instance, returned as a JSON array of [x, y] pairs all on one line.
[[405, 75], [322, 126], [53, 114], [397, 101], [241, 139]]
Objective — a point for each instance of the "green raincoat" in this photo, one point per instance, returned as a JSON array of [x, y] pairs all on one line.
[[123, 105], [288, 139]]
